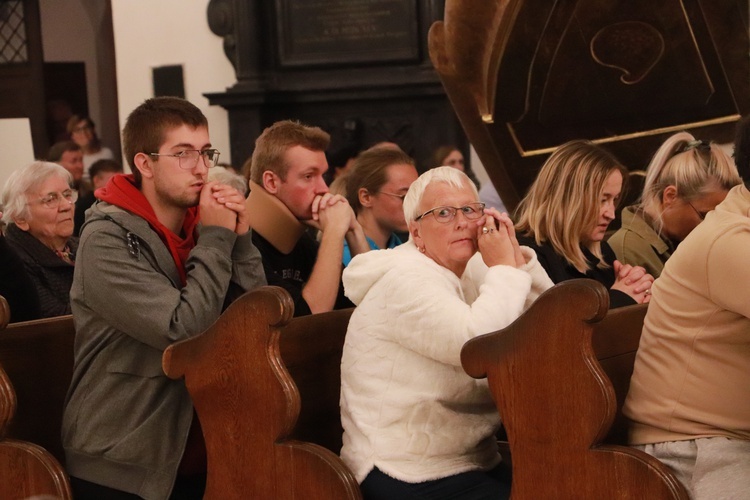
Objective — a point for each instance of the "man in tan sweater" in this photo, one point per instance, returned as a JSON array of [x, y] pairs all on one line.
[[689, 399]]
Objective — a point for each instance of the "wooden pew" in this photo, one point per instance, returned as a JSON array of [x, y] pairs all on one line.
[[615, 341], [558, 404], [38, 359], [311, 348], [248, 402], [33, 355]]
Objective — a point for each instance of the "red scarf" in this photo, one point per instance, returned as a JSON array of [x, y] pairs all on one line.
[[121, 192]]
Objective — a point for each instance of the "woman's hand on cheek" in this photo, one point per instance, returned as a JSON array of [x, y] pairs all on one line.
[[494, 241], [503, 222]]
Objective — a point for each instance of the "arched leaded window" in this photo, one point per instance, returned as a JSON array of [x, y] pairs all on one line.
[[13, 43]]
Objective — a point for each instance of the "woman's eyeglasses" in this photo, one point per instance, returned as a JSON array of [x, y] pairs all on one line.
[[446, 214], [399, 196], [701, 215], [52, 200]]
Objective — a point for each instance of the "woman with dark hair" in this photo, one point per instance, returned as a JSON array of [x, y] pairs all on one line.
[[451, 156], [83, 132]]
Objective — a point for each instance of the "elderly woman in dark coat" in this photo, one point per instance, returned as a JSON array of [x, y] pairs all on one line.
[[38, 208]]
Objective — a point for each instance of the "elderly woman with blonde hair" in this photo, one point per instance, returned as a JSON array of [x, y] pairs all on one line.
[[38, 208], [565, 215], [685, 180], [415, 424]]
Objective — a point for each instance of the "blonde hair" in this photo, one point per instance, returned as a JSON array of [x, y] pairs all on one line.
[[563, 203], [694, 167]]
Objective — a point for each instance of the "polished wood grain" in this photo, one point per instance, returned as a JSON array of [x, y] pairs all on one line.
[[558, 404], [26, 469], [38, 359], [248, 405], [311, 348]]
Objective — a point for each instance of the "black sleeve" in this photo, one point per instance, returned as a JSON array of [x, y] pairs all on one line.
[[619, 299]]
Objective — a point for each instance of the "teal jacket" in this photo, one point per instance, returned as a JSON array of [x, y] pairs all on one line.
[[393, 242]]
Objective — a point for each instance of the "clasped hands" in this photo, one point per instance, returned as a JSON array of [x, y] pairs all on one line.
[[222, 205], [634, 281], [332, 212]]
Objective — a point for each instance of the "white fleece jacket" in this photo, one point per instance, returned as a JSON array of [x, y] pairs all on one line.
[[407, 406]]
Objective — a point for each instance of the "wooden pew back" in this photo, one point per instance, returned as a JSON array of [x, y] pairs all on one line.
[[32, 359], [615, 341], [558, 404], [248, 403], [311, 348], [38, 359]]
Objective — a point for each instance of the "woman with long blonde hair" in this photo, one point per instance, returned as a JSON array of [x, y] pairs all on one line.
[[565, 215], [685, 180]]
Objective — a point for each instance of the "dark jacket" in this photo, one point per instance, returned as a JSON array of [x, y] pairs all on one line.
[[52, 276], [16, 286], [559, 269]]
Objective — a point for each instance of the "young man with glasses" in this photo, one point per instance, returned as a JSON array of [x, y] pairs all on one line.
[[288, 196], [148, 275]]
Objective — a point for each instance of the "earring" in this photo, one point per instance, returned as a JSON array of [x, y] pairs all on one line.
[[421, 249]]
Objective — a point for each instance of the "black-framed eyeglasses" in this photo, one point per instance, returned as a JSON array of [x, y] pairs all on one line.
[[702, 215], [399, 196], [52, 200], [444, 215], [188, 158]]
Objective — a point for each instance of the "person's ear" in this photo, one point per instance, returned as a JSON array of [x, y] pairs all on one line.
[[365, 198], [271, 181], [669, 196], [144, 164], [415, 232], [21, 223]]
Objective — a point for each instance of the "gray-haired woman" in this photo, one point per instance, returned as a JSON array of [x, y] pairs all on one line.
[[38, 208], [415, 424]]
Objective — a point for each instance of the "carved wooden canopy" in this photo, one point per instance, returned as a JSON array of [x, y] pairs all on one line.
[[525, 77]]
